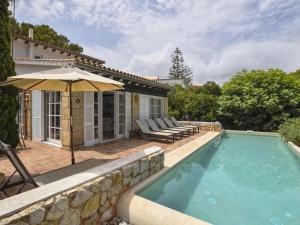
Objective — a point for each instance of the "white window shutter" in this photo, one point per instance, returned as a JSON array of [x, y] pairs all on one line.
[[127, 113], [116, 115], [37, 122], [88, 118], [162, 107]]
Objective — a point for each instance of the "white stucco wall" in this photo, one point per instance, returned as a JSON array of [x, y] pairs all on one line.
[[22, 69], [22, 50]]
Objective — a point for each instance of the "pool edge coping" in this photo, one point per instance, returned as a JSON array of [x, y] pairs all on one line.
[[249, 132], [131, 200], [295, 148]]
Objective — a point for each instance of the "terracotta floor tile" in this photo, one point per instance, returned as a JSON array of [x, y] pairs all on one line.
[[41, 158]]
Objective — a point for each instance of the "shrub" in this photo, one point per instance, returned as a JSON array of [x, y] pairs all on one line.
[[290, 130], [259, 100]]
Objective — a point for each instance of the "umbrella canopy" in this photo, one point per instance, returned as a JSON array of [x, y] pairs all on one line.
[[59, 80], [67, 79]]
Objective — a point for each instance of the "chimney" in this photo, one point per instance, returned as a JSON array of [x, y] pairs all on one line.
[[30, 33]]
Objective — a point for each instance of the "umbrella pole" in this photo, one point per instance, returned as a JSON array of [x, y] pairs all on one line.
[[71, 124]]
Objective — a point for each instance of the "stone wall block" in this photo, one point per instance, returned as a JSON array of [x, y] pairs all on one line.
[[103, 198], [95, 185], [107, 215], [58, 209], [157, 167], [72, 216], [135, 169], [157, 157], [145, 175], [152, 164], [81, 197], [135, 180], [152, 170], [91, 206], [116, 189], [37, 215], [144, 165], [107, 183], [18, 218], [116, 177], [126, 180], [104, 207], [152, 157], [127, 170], [93, 220]]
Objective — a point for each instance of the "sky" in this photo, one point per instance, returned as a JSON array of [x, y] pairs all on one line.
[[218, 37]]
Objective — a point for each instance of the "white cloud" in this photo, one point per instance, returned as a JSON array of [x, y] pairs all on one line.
[[218, 37], [41, 9]]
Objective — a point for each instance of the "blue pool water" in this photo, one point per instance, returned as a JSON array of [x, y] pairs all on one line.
[[238, 180]]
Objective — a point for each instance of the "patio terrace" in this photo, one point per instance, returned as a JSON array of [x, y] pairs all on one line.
[[40, 158]]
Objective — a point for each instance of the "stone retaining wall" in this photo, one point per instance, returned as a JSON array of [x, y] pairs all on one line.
[[210, 126], [92, 202]]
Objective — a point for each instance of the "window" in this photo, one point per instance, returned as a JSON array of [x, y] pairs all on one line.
[[155, 108]]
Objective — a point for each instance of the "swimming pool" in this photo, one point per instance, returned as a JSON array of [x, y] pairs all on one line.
[[240, 179]]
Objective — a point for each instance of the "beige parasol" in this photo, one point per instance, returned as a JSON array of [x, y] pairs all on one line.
[[67, 79]]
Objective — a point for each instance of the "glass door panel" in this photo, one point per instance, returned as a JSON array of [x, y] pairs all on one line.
[[53, 117], [108, 100]]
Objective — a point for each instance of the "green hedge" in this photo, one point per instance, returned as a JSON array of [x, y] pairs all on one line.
[[290, 130]]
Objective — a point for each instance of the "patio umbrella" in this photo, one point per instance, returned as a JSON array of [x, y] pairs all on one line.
[[67, 79]]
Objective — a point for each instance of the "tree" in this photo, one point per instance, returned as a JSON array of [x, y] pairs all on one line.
[[178, 69], [211, 88], [45, 34], [296, 74], [188, 104], [8, 95], [259, 100]]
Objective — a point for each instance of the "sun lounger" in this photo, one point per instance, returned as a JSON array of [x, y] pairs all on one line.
[[146, 131], [163, 125], [27, 179], [170, 124], [176, 123], [154, 127]]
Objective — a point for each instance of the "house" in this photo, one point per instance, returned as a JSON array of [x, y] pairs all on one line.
[[169, 81], [98, 117]]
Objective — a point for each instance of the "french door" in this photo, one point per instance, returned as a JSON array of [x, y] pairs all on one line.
[[53, 117], [104, 117], [108, 116]]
